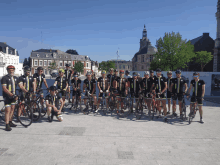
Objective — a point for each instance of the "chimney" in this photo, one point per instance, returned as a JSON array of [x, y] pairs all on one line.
[[6, 50], [205, 34], [15, 52]]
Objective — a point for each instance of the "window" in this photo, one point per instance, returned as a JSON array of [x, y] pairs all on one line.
[[45, 71], [119, 66], [142, 67], [35, 63], [142, 58], [61, 63], [151, 58], [38, 55], [45, 63], [123, 66], [40, 63], [70, 63], [65, 62], [87, 64], [49, 62], [35, 70]]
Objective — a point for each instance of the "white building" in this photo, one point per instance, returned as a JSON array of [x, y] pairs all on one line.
[[9, 56]]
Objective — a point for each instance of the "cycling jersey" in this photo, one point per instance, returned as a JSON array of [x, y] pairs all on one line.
[[53, 100], [103, 83], [76, 83], [197, 87], [90, 84], [152, 79], [10, 82], [27, 82], [146, 84], [111, 79], [135, 85], [68, 74], [159, 83], [121, 84], [169, 82], [178, 84], [39, 79], [61, 82]]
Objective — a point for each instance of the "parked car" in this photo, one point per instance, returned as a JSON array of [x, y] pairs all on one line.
[[54, 75]]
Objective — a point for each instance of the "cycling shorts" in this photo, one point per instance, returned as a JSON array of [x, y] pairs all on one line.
[[177, 95], [169, 95], [8, 101], [199, 100], [77, 92], [162, 96]]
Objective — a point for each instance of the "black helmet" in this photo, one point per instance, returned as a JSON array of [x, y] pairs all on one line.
[[195, 73], [116, 70], [27, 68], [53, 88], [178, 71], [134, 73], [76, 73], [40, 68], [127, 71], [151, 71], [158, 70], [67, 65]]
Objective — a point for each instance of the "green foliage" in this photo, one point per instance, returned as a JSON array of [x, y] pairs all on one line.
[[203, 58], [53, 66], [71, 51], [106, 65], [173, 52], [79, 66]]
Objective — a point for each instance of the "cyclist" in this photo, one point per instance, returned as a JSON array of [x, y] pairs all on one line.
[[52, 103], [161, 86], [116, 73], [120, 83], [90, 84], [127, 74], [178, 92], [169, 82], [39, 78], [9, 83], [111, 79], [199, 92], [68, 73], [146, 86], [76, 84], [152, 77], [135, 88], [62, 84], [139, 77], [103, 87]]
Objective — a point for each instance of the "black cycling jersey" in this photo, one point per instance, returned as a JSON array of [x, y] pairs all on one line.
[[68, 74], [39, 79], [61, 82], [103, 83], [197, 87], [76, 83], [146, 84], [135, 85], [169, 82], [54, 100], [10, 82], [121, 84], [89, 84], [178, 85], [159, 83], [111, 79], [152, 79], [27, 82]]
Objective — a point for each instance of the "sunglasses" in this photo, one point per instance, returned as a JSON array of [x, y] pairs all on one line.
[[75, 76], [196, 76]]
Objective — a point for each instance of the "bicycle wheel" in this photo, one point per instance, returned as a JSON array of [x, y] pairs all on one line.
[[42, 109], [2, 113], [35, 109], [126, 111], [184, 111], [139, 110], [25, 116]]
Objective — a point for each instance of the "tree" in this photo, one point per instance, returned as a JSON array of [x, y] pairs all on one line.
[[79, 67], [53, 66], [173, 52], [106, 65], [203, 58], [154, 64], [71, 51]]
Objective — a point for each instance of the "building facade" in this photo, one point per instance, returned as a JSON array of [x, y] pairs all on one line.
[[123, 65], [44, 57], [216, 56], [142, 59], [9, 56]]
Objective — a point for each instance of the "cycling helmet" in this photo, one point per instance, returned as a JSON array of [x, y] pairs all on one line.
[[134, 74], [169, 72], [146, 73], [88, 73], [116, 70], [178, 71], [27, 69], [122, 71], [127, 71], [138, 74], [76, 73], [10, 67], [67, 65], [61, 70], [151, 71], [40, 68], [52, 88], [158, 70], [103, 72], [111, 69], [195, 73]]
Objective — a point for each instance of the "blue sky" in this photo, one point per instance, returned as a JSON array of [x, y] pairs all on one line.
[[97, 28]]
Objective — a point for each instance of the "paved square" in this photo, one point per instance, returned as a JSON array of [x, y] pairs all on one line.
[[108, 140]]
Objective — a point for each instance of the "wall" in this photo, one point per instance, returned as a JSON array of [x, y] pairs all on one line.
[[206, 76]]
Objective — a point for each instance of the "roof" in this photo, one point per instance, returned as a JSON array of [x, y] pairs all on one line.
[[200, 38], [4, 45], [193, 41]]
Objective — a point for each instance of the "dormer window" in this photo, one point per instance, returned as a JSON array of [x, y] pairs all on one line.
[[60, 56], [38, 55], [66, 57], [46, 55]]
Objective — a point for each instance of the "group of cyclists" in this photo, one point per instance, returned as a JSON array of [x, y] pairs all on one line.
[[152, 87]]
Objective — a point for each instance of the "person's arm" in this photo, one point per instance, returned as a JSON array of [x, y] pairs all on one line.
[[55, 83], [171, 87], [7, 91], [94, 86], [49, 105], [115, 84], [98, 84], [189, 89], [203, 90], [84, 86], [66, 86], [22, 87], [186, 88], [165, 88], [35, 84], [152, 86], [45, 82]]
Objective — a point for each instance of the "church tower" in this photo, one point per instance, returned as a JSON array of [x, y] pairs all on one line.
[[216, 56], [144, 41]]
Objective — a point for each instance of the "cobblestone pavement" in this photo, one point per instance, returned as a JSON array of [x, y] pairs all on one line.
[[108, 140]]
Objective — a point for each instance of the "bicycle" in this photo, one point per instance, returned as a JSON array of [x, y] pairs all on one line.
[[192, 113], [125, 111], [2, 111], [76, 104], [184, 106], [112, 101], [139, 111], [89, 103]]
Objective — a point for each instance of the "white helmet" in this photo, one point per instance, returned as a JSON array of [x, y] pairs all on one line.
[[146, 73]]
